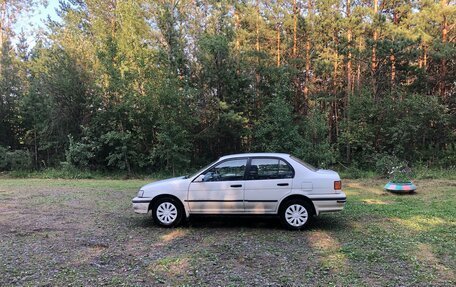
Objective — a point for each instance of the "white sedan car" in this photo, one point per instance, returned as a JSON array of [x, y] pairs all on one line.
[[250, 183]]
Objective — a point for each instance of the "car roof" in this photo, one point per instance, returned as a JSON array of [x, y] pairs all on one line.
[[265, 154]]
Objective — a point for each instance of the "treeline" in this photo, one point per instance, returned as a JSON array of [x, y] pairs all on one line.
[[168, 85]]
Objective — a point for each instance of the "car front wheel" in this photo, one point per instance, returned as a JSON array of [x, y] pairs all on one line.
[[295, 214], [167, 212]]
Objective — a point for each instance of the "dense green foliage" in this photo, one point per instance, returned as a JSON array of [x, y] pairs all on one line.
[[169, 85]]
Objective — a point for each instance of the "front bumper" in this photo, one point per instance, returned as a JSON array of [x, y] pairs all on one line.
[[141, 204]]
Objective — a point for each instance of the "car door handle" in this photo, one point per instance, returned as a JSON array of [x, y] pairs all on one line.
[[282, 184], [236, 185]]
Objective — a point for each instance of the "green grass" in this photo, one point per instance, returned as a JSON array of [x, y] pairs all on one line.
[[83, 232], [422, 172], [401, 222], [73, 173], [419, 172], [117, 185]]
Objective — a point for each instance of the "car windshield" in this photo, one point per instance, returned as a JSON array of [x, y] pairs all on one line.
[[201, 170], [309, 166]]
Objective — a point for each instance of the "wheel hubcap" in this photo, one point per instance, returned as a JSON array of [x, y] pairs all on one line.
[[166, 212], [296, 215]]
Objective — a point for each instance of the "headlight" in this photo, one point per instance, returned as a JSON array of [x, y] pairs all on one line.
[[140, 193]]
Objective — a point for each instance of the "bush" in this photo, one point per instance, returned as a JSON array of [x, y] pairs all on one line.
[[384, 163], [79, 154], [20, 159], [391, 166], [15, 160], [3, 158], [355, 173], [448, 157]]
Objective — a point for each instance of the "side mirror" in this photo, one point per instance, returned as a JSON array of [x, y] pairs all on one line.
[[200, 178]]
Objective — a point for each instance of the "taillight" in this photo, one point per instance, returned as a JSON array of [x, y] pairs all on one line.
[[338, 185]]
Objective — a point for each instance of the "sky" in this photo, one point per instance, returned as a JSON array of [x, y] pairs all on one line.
[[32, 21]]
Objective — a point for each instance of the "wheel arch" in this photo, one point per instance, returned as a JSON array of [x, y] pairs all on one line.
[[297, 197], [155, 199]]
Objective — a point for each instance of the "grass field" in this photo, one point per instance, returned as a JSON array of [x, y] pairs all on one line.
[[84, 233]]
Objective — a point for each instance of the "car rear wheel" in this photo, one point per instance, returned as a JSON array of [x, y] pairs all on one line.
[[167, 212], [295, 214]]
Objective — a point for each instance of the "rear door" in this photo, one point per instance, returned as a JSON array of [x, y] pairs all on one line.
[[268, 180]]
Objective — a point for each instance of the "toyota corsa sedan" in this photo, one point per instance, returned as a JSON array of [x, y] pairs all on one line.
[[250, 183]]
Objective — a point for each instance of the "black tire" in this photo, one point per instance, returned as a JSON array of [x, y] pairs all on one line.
[[167, 212], [295, 214]]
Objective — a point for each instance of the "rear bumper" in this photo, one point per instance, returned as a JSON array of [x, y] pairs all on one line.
[[329, 203], [141, 204]]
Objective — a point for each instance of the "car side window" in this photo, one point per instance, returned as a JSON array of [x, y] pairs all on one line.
[[269, 168], [226, 171]]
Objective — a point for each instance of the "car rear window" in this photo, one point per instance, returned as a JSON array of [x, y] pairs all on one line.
[[309, 166]]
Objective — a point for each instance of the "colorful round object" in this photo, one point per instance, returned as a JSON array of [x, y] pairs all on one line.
[[400, 187]]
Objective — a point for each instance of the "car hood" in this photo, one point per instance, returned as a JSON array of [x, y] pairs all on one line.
[[163, 182]]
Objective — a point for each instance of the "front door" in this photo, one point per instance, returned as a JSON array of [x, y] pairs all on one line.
[[221, 190], [267, 181]]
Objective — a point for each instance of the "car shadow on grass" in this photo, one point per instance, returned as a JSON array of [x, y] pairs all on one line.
[[233, 221], [330, 223], [246, 221], [263, 222]]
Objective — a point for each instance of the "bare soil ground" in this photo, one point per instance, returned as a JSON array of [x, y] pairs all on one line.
[[84, 233]]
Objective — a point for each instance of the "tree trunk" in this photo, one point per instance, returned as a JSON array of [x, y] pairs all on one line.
[[334, 103], [278, 45], [307, 71], [295, 24], [257, 27], [127, 164], [374, 52], [297, 98], [2, 25], [257, 46], [236, 28], [425, 58], [443, 66], [422, 59], [393, 68], [358, 68], [35, 147], [349, 75], [392, 56], [349, 55], [113, 19]]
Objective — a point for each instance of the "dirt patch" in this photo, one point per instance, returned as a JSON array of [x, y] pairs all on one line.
[[425, 254], [420, 223], [174, 234], [374, 187], [376, 201], [329, 250]]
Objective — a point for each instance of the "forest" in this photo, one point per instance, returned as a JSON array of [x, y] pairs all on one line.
[[156, 85]]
